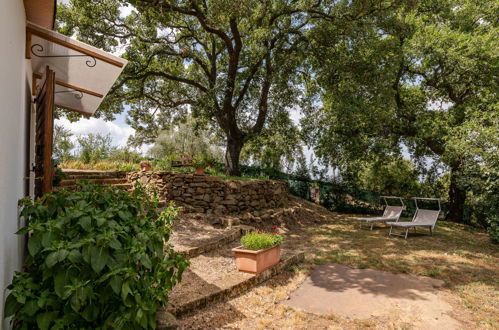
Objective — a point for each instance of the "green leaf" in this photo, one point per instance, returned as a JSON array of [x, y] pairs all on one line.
[[60, 280], [98, 258], [146, 261], [11, 306], [74, 256], [100, 221], [125, 290], [47, 238], [24, 230], [86, 223], [77, 299], [43, 320], [90, 313], [62, 254], [34, 244], [52, 259], [115, 244], [116, 283], [124, 215], [30, 308]]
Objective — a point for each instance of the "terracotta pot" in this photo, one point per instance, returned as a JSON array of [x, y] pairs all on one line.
[[199, 170], [255, 262], [145, 166], [315, 195]]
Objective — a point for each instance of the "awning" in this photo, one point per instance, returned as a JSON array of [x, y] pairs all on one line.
[[83, 74]]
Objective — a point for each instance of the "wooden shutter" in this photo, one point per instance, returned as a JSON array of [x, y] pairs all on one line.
[[44, 134]]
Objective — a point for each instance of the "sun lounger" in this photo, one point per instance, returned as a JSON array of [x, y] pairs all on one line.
[[422, 218], [391, 213]]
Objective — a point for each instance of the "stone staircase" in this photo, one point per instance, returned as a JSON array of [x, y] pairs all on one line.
[[212, 275], [115, 178]]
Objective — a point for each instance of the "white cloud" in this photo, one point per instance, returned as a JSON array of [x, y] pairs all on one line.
[[118, 133], [126, 10]]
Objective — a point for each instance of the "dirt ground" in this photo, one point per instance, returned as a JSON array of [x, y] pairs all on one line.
[[460, 257]]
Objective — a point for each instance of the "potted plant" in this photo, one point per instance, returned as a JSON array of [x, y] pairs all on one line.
[[200, 164], [258, 251], [145, 165]]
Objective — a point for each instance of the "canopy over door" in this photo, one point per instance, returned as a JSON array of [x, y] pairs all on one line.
[[84, 74]]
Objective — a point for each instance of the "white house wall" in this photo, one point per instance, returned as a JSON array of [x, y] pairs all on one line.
[[14, 137]]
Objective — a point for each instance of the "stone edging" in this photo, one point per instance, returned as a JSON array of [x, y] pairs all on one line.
[[237, 289]]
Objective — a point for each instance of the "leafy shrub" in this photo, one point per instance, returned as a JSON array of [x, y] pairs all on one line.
[[97, 259], [57, 176], [259, 240]]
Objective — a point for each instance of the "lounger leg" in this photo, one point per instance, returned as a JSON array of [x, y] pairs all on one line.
[[431, 231], [372, 224], [406, 232], [390, 233]]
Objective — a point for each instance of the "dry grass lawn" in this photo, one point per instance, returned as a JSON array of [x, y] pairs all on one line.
[[459, 255]]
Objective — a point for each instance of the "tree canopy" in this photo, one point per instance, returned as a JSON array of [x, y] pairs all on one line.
[[415, 79], [374, 80], [233, 63]]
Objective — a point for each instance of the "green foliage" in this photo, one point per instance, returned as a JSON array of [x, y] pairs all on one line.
[[277, 147], [97, 260], [94, 147], [416, 78], [125, 155], [391, 176], [57, 176], [185, 140], [259, 241], [63, 146], [478, 141]]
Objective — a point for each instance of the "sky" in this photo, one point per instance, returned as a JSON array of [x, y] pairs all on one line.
[[118, 129]]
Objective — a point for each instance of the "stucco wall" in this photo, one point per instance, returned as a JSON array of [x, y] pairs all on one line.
[[14, 112]]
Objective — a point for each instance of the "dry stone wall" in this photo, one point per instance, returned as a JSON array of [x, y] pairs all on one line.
[[213, 195]]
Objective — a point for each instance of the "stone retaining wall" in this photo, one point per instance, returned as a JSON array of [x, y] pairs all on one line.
[[209, 194]]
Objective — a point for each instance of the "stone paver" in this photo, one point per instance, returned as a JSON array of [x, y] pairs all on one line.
[[364, 293]]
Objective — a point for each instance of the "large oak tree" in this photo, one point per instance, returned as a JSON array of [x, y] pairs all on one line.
[[231, 62], [415, 78]]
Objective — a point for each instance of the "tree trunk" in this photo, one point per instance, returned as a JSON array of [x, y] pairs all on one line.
[[457, 196], [232, 154]]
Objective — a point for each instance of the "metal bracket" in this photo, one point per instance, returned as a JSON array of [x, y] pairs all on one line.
[[91, 62], [77, 94]]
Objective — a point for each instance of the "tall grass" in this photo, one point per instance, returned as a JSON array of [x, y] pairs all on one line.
[[104, 165]]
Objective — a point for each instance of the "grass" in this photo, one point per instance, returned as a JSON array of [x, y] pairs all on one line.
[[108, 165], [105, 165], [461, 256]]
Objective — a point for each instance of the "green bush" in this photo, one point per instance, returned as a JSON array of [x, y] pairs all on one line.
[[97, 260], [259, 240]]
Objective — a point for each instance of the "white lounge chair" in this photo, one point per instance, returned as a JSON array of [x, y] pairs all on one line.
[[391, 213], [422, 218]]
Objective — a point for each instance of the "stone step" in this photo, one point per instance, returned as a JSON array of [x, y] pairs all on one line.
[[76, 174], [213, 277], [101, 181], [126, 186], [197, 244]]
